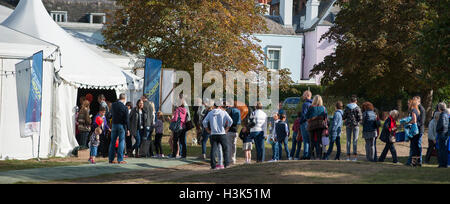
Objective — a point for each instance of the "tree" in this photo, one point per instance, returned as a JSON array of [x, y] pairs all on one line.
[[431, 50], [376, 55], [181, 33]]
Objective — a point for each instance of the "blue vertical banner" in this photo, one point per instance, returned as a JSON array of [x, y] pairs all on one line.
[[34, 105], [152, 77]]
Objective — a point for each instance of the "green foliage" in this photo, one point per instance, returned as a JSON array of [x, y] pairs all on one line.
[[388, 50], [218, 34]]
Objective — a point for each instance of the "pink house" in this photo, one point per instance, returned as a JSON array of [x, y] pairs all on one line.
[[310, 19]]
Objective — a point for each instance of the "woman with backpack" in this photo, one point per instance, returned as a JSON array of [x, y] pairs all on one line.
[[317, 126], [370, 126], [388, 136], [352, 116]]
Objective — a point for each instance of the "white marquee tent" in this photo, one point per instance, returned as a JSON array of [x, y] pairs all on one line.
[[16, 48], [74, 66]]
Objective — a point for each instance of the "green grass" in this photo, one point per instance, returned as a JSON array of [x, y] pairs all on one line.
[[294, 172], [8, 165]]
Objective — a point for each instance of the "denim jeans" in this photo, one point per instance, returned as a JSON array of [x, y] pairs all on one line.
[[219, 154], [415, 148], [283, 141], [205, 137], [93, 151], [217, 140], [259, 143], [442, 142], [137, 138], [275, 151], [333, 140], [355, 132], [296, 146], [370, 149], [306, 141], [118, 131]]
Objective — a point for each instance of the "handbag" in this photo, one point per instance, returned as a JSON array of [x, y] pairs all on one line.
[[188, 125], [175, 126], [319, 122]]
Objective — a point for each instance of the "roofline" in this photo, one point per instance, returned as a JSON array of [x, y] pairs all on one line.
[[281, 35]]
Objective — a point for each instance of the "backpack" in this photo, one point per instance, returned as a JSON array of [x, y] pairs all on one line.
[[352, 117], [251, 121]]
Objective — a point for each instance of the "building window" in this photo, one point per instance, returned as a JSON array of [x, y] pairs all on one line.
[[273, 58], [97, 18], [59, 16]]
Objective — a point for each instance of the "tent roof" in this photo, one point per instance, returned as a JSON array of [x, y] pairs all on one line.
[[81, 65], [4, 12], [14, 44], [120, 60]]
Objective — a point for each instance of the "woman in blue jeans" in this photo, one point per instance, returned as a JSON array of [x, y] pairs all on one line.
[[137, 126], [257, 132]]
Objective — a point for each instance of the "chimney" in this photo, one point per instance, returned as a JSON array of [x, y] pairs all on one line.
[[312, 12], [286, 11]]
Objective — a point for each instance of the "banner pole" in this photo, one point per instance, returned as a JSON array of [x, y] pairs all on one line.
[[40, 114]]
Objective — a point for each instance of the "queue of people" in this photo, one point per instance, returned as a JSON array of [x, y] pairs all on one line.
[[221, 124]]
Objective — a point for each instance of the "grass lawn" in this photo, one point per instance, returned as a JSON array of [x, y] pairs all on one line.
[[280, 172], [9, 165]]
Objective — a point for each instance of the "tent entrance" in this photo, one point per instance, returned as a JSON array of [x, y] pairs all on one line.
[[110, 96]]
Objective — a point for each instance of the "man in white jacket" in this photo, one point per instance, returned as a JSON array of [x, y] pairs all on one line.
[[219, 123], [258, 131]]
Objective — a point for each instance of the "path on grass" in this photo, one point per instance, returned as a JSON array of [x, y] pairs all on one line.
[[87, 170]]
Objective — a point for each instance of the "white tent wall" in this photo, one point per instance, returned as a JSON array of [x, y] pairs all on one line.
[[12, 145], [64, 119]]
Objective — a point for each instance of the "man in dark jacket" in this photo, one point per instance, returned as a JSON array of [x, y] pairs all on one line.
[[442, 128], [120, 127], [149, 108], [352, 116]]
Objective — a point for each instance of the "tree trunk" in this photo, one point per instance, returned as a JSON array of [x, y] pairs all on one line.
[[399, 107], [427, 103]]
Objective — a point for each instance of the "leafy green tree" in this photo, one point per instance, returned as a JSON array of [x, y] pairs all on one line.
[[432, 48], [218, 34], [377, 53]]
